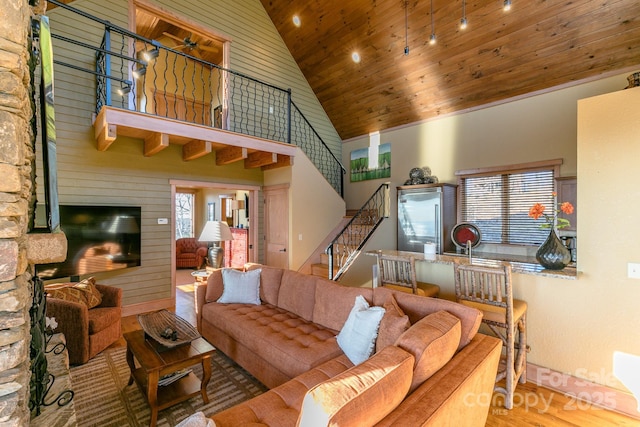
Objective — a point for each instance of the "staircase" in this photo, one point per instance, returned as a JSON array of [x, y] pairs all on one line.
[[348, 243], [321, 269]]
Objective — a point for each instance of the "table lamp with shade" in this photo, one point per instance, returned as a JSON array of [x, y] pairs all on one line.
[[216, 232]]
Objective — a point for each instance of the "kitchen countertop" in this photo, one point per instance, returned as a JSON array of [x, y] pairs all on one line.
[[519, 264]]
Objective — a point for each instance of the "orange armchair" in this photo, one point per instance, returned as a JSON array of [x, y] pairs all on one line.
[[88, 331], [190, 253]]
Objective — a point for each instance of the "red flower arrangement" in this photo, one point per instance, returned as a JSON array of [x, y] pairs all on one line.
[[536, 211]]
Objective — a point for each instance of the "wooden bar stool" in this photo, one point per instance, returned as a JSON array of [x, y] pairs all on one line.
[[489, 290], [399, 273]]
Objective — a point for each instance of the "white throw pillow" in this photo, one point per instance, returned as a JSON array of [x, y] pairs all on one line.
[[197, 420], [357, 338], [240, 287]]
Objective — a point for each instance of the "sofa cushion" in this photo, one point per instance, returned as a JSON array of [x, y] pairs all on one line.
[[84, 292], [240, 287], [362, 395], [281, 405], [393, 324], [333, 302], [215, 287], [279, 337], [417, 307], [270, 279], [297, 293], [432, 341], [358, 335]]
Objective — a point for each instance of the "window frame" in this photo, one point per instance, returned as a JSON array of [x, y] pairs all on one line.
[[503, 172], [192, 195]]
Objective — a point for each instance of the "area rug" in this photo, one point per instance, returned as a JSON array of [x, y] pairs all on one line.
[[103, 398]]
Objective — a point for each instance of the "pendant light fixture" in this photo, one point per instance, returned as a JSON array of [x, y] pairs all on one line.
[[463, 20], [432, 38], [406, 27], [507, 5]]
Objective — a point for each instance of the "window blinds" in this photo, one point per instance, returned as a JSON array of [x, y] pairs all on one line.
[[499, 205]]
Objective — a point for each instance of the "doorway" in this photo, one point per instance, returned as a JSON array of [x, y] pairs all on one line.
[[276, 225], [208, 198], [185, 82]]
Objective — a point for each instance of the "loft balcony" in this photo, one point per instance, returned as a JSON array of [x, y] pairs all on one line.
[[196, 140], [164, 96]]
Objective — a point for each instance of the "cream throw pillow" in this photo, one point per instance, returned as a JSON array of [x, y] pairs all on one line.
[[357, 338], [240, 287]]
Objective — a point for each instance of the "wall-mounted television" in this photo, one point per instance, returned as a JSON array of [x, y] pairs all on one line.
[[100, 238]]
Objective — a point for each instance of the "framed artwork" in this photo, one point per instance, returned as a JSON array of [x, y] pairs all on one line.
[[211, 211], [362, 171]]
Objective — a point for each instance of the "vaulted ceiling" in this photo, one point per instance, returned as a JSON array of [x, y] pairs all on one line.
[[536, 45]]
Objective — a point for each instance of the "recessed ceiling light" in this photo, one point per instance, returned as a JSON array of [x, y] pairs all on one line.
[[296, 20], [355, 56]]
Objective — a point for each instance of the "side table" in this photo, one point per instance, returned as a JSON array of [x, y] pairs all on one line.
[[201, 276], [154, 365]]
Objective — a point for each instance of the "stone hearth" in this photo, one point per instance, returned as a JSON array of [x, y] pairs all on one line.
[[19, 251]]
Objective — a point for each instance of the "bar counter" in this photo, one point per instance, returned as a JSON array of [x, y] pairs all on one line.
[[522, 265]]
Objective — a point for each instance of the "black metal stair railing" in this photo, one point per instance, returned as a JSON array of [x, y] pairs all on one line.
[[346, 246], [176, 85], [304, 136]]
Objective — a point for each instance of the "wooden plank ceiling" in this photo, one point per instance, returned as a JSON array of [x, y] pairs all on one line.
[[536, 45]]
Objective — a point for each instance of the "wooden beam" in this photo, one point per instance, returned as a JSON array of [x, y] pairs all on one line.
[[228, 155], [283, 161], [105, 136], [195, 149], [260, 158], [155, 143]]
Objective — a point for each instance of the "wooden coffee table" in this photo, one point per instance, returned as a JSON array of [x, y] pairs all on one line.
[[155, 362]]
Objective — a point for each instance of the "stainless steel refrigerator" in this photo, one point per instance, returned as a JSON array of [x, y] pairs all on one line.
[[426, 214]]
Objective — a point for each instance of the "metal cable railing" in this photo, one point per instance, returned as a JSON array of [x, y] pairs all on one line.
[[346, 246], [139, 74]]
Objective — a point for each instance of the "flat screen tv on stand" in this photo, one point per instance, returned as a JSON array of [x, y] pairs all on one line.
[[100, 238]]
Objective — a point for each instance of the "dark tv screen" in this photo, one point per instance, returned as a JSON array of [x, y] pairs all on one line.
[[100, 238]]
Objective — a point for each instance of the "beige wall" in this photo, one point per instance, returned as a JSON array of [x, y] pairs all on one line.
[[315, 208], [574, 325]]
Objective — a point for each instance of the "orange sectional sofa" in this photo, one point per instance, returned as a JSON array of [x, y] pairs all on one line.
[[437, 370]]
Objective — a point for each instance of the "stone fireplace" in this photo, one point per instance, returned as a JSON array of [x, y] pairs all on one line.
[[19, 251]]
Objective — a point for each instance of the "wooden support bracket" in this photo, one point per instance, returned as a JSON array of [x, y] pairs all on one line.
[[260, 158], [155, 143], [105, 136], [195, 149], [228, 155], [283, 161]]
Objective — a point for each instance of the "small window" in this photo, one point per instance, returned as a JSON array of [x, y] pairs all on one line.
[[184, 215], [497, 201]]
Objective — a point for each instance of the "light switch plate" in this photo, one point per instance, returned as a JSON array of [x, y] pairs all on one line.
[[633, 270]]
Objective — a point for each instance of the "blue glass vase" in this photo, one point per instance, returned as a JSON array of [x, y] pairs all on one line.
[[553, 254]]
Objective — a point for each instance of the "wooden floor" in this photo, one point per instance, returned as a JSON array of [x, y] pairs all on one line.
[[533, 405]]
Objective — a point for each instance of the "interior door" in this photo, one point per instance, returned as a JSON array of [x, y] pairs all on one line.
[[276, 224]]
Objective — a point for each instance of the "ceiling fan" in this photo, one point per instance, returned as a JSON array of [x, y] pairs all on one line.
[[189, 45]]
